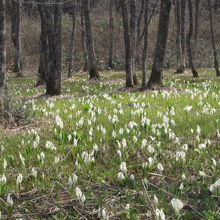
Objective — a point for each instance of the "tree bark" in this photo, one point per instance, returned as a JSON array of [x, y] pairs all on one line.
[[196, 32], [83, 37], [111, 35], [183, 33], [52, 16], [127, 42], [2, 53], [216, 64], [71, 52], [179, 57], [162, 36], [92, 66], [133, 32], [189, 40], [16, 36], [144, 53]]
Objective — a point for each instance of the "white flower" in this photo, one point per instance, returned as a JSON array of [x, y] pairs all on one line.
[[80, 195], [121, 176], [3, 179], [19, 179], [59, 121], [5, 164], [160, 167], [22, 159], [215, 188], [160, 214], [177, 205], [156, 200], [34, 172], [9, 200], [188, 108], [123, 167], [49, 145]]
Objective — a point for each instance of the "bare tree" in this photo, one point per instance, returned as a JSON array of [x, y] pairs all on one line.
[[145, 47], [127, 42], [16, 35], [179, 63], [71, 50], [52, 54], [189, 40], [111, 34], [2, 52], [83, 36], [92, 65], [197, 24], [216, 64], [183, 33], [162, 36]]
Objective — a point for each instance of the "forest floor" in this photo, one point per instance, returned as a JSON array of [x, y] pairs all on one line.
[[98, 153]]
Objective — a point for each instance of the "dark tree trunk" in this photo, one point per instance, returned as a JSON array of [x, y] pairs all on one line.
[[196, 32], [16, 36], [92, 66], [111, 35], [41, 75], [83, 37], [189, 40], [52, 16], [144, 54], [216, 64], [183, 33], [179, 57], [127, 42], [133, 32], [139, 22], [2, 52], [71, 52], [162, 36]]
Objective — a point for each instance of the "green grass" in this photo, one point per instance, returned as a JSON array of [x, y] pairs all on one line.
[[92, 147]]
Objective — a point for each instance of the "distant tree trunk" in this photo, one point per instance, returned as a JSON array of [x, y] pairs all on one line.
[[162, 36], [52, 16], [2, 52], [16, 35], [43, 47], [144, 54], [83, 37], [189, 40], [183, 33], [216, 64], [111, 35], [196, 32], [133, 32], [92, 66], [127, 42], [139, 22], [179, 57], [71, 52]]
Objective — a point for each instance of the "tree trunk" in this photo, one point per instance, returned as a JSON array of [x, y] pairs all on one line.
[[162, 36], [144, 54], [16, 36], [83, 37], [189, 40], [196, 32], [71, 52], [127, 42], [2, 53], [133, 32], [139, 22], [43, 47], [183, 33], [92, 66], [111, 35], [179, 57], [216, 64], [52, 16]]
